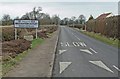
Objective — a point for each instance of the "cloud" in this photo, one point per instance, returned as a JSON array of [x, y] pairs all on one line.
[[64, 9], [59, 0]]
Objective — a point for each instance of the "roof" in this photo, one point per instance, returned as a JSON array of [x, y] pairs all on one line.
[[102, 16]]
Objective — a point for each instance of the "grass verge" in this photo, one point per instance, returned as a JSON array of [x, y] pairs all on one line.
[[36, 42], [8, 65], [109, 41]]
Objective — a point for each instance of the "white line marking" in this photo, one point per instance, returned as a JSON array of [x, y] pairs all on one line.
[[78, 38], [64, 65], [67, 44], [101, 64], [62, 51], [61, 44], [72, 33], [116, 68], [82, 44], [85, 50], [93, 50], [76, 44]]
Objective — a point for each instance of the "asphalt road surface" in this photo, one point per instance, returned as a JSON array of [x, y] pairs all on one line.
[[79, 55]]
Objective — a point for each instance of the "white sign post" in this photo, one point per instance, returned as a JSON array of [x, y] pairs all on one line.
[[15, 33], [25, 24], [36, 33]]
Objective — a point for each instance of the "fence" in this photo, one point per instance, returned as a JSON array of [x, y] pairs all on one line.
[[107, 27]]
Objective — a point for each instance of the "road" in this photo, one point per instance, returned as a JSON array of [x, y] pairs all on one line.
[[78, 55]]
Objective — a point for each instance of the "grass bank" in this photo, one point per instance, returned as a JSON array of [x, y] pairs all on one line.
[[110, 41], [8, 65]]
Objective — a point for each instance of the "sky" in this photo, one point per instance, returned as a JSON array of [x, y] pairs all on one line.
[[63, 9], [59, 0]]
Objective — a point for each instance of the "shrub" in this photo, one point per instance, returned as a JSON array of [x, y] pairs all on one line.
[[14, 47]]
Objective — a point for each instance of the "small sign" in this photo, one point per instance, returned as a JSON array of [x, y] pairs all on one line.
[[26, 23], [28, 37]]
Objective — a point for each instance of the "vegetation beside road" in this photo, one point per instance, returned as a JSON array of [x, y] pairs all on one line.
[[7, 65], [36, 42], [15, 50], [110, 41]]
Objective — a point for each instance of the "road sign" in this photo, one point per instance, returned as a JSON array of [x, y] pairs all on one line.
[[26, 23]]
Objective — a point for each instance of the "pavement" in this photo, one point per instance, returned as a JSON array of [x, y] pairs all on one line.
[[79, 55], [38, 62]]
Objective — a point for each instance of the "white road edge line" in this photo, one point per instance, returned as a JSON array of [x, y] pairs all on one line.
[[93, 50], [116, 68]]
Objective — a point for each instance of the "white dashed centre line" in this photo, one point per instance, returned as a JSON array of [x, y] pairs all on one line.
[[77, 38]]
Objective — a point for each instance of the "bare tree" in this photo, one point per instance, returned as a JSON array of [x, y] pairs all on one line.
[[6, 17], [55, 19], [36, 11], [91, 17], [6, 20], [73, 20], [81, 19], [65, 21]]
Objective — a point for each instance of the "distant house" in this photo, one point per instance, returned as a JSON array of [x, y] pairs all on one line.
[[102, 21], [104, 16]]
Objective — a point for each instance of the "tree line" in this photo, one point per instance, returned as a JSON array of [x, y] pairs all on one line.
[[44, 18]]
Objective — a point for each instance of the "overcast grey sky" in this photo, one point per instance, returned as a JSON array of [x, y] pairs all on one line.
[[63, 9], [59, 0]]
